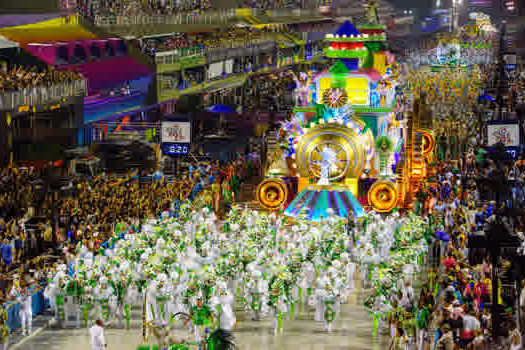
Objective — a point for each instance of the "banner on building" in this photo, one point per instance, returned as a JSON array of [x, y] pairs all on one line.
[[508, 134]]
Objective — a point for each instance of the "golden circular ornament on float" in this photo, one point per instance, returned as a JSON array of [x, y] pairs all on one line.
[[343, 141], [471, 30], [272, 193], [429, 142], [382, 196], [335, 98]]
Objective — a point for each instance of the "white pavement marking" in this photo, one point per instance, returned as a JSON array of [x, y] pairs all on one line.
[[24, 340]]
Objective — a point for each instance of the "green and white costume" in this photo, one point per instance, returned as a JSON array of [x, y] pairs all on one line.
[[103, 295], [73, 304]]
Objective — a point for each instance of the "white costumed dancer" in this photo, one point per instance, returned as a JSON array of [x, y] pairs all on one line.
[[407, 299], [102, 296], [307, 280], [177, 306], [380, 310], [371, 257], [162, 297], [226, 306], [256, 294], [331, 305], [322, 285], [55, 293], [73, 305], [278, 300], [348, 272], [26, 311], [121, 302]]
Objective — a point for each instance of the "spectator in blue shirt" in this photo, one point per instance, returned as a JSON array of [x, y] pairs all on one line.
[[519, 194], [71, 234], [7, 253]]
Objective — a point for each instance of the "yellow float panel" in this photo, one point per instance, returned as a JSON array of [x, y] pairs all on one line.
[[380, 63], [351, 183], [325, 83], [357, 89], [302, 183]]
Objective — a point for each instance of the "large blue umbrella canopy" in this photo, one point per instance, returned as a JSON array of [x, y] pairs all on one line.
[[485, 97], [220, 109]]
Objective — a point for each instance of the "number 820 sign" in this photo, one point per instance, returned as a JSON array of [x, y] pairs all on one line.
[[175, 149], [176, 138]]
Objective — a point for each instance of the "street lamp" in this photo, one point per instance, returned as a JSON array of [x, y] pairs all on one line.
[[456, 10]]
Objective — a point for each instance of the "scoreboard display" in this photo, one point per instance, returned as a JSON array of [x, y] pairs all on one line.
[[175, 149], [176, 138]]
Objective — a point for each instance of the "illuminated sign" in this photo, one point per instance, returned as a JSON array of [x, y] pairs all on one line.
[[508, 134], [513, 151], [23, 109], [55, 107], [176, 132], [175, 148]]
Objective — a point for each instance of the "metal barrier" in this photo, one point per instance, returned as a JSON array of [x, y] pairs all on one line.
[[222, 17], [41, 95], [38, 305], [170, 57]]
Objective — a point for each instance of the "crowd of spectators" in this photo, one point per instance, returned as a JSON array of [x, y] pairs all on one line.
[[272, 94], [233, 37], [236, 37], [141, 8], [96, 205], [17, 77], [274, 4], [466, 200], [453, 309], [176, 41], [169, 7], [218, 184], [37, 224], [21, 246]]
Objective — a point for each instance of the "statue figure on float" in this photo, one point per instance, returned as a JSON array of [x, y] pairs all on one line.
[[302, 89], [327, 161]]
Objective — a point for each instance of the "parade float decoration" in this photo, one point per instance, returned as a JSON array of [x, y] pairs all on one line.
[[450, 93], [273, 192], [417, 155], [341, 144], [448, 51]]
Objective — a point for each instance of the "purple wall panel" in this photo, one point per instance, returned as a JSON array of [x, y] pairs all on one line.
[[20, 20]]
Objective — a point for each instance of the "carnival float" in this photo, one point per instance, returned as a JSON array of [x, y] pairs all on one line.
[[451, 80], [346, 147]]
